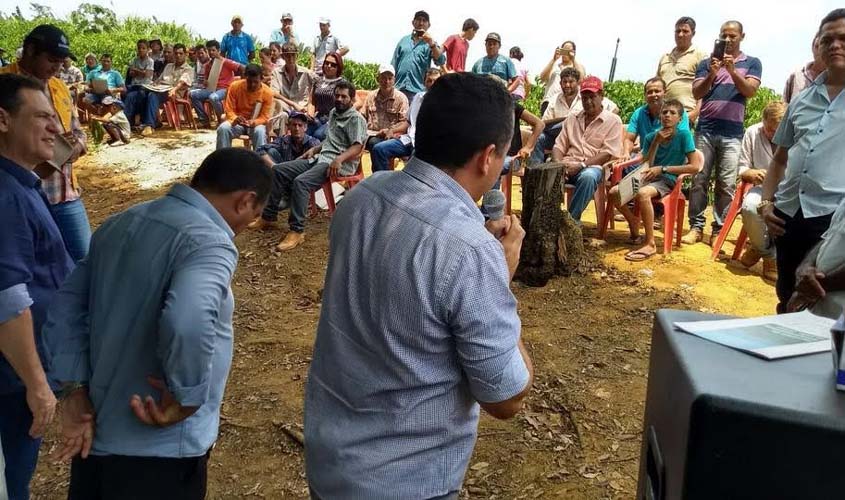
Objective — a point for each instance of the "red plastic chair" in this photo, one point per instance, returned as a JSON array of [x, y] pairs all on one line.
[[350, 180], [733, 211], [615, 177]]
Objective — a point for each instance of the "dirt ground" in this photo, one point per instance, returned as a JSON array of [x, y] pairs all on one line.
[[589, 336]]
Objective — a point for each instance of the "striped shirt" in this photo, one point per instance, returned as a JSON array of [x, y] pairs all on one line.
[[324, 96], [723, 108], [417, 324]]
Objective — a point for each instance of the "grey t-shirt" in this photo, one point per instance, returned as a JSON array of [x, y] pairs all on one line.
[[146, 64]]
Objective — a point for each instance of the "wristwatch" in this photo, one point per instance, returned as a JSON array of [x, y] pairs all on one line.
[[664, 170], [763, 204]]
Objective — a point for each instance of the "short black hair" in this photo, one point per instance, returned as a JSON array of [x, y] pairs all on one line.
[[265, 51], [212, 43], [105, 56], [156, 41], [200, 47], [516, 53], [570, 72], [275, 44], [178, 46], [674, 103], [574, 47], [142, 41], [233, 169], [432, 70], [10, 86], [462, 114], [686, 20], [834, 15], [470, 24], [733, 21], [343, 83], [252, 71], [655, 79]]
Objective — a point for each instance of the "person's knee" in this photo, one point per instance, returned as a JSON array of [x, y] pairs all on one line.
[[590, 177]]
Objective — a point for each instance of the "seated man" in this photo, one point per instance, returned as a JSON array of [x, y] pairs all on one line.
[[384, 151], [224, 77], [385, 109], [647, 118], [177, 75], [291, 86], [247, 107], [588, 141], [568, 102], [754, 159], [291, 146], [294, 181], [668, 152], [113, 83]]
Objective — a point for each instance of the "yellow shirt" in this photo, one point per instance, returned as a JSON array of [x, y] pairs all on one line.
[[678, 71], [59, 93]]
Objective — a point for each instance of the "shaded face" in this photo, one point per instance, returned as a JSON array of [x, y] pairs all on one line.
[[287, 22], [253, 83], [568, 52], [470, 34], [591, 101], [91, 62], [33, 128], [770, 126], [420, 23], [275, 53], [105, 62], [168, 54], [202, 54], [569, 86], [430, 79], [264, 58], [732, 36], [832, 45], [324, 29], [342, 100], [213, 51], [66, 63], [492, 47], [670, 116], [179, 56], [290, 58], [296, 128], [237, 25], [654, 92], [386, 81], [44, 65], [142, 49], [330, 67], [155, 47], [683, 35]]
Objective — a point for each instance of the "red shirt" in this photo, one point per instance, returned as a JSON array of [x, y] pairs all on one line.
[[456, 52], [227, 73]]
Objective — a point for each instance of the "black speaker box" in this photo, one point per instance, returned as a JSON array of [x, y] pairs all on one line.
[[722, 424]]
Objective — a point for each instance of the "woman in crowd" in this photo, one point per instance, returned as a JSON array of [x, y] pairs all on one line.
[[551, 73], [322, 97]]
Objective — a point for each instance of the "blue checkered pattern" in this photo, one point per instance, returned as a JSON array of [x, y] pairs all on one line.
[[417, 324]]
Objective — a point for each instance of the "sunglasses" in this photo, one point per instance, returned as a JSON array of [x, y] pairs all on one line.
[[330, 64]]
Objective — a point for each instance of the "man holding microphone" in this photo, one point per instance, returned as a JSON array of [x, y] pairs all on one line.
[[418, 325]]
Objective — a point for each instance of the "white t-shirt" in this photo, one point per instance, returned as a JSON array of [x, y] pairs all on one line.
[[831, 260]]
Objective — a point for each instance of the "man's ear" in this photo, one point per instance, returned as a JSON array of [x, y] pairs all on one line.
[[245, 201], [485, 159]]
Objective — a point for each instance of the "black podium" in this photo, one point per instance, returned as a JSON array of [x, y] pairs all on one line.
[[721, 424]]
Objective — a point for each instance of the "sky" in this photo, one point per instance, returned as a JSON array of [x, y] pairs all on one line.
[[779, 34]]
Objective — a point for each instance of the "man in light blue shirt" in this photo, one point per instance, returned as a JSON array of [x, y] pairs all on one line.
[[418, 324], [237, 45], [413, 56], [150, 311], [284, 34], [494, 63]]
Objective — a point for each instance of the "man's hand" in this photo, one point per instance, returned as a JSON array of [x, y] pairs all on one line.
[[286, 29], [512, 243], [239, 120], [808, 288], [774, 224], [308, 154], [78, 148], [651, 174], [755, 176], [249, 123], [77, 425], [42, 403], [300, 108], [498, 227], [715, 65], [383, 133], [427, 38], [334, 168], [729, 63], [163, 414], [572, 167], [558, 52], [663, 136], [524, 152]]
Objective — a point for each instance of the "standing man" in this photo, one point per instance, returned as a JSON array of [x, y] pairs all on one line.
[[413, 56], [325, 43], [34, 264], [495, 63], [294, 181], [457, 46], [248, 105], [678, 67], [392, 401], [804, 184], [724, 85], [237, 45], [284, 34], [386, 109], [44, 49], [804, 76], [142, 339]]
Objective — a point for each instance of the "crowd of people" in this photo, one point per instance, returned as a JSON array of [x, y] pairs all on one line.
[[391, 407]]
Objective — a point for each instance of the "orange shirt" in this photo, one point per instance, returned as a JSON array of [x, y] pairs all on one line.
[[241, 102]]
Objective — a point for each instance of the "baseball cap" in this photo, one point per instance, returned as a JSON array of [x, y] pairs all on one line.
[[109, 100], [297, 115], [386, 68], [325, 20], [423, 14], [237, 17], [50, 39], [493, 36], [591, 84], [287, 15]]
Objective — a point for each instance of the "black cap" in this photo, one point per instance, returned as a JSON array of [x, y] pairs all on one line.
[[51, 39], [423, 14]]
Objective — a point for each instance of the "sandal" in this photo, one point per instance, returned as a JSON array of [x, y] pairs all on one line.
[[639, 255]]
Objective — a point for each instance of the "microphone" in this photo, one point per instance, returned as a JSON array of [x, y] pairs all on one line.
[[493, 204]]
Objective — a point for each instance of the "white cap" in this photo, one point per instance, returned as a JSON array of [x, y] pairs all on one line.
[[386, 68], [325, 20]]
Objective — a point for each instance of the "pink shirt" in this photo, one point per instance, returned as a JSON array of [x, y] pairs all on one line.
[[578, 143], [456, 52]]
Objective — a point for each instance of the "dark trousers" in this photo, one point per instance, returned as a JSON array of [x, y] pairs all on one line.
[[117, 477], [19, 450], [293, 183], [800, 237]]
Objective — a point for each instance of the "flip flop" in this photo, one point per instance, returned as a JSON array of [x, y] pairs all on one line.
[[638, 255]]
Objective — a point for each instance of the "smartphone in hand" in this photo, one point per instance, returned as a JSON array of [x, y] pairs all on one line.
[[719, 49]]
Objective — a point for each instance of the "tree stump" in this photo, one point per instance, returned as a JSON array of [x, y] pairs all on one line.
[[553, 243]]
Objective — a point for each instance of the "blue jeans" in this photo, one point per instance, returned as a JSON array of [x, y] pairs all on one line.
[[586, 182], [74, 226], [293, 183], [226, 132], [19, 450], [721, 158], [319, 128], [385, 150], [545, 141], [146, 104], [198, 96]]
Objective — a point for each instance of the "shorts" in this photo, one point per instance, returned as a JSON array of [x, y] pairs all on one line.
[[664, 185]]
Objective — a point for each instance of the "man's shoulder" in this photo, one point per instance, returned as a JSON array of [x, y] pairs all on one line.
[[609, 116]]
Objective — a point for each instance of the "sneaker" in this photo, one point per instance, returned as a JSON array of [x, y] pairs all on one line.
[[148, 131], [750, 257], [770, 269], [291, 241], [692, 237]]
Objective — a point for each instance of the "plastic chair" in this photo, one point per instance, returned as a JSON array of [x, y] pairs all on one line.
[[600, 197], [350, 180], [615, 177], [733, 211], [175, 103], [507, 190]]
